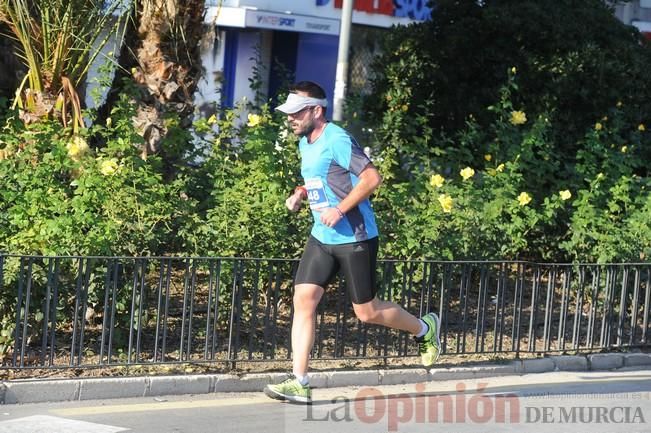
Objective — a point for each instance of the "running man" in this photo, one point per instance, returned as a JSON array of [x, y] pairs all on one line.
[[339, 179]]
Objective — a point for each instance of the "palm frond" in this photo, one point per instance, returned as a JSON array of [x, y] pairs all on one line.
[[58, 40]]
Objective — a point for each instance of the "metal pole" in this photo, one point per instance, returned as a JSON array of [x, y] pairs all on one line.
[[342, 60]]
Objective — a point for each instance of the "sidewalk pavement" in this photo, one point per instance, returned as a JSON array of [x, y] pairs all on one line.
[[55, 390]]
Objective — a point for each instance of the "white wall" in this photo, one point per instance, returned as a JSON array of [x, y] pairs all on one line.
[[247, 42], [212, 60]]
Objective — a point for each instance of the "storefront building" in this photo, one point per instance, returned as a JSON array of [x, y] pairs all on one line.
[[298, 40], [292, 40]]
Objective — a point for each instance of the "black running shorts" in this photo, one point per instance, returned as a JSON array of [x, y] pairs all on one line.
[[357, 261]]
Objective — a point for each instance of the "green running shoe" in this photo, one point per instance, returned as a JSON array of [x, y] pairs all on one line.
[[290, 390], [429, 345]]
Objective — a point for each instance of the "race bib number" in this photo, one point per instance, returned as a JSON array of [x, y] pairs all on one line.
[[316, 193]]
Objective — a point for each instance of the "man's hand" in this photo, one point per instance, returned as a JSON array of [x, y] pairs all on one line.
[[331, 216], [294, 201]]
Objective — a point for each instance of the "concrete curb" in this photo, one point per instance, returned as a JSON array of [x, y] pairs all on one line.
[[49, 390]]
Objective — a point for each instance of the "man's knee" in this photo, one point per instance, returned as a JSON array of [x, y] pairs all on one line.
[[306, 297]]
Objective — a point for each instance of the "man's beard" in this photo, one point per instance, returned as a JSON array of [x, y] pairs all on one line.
[[307, 129]]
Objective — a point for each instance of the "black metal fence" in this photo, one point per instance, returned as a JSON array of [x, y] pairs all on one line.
[[69, 312]]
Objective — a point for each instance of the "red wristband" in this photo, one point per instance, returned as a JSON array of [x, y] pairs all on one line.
[[302, 189]]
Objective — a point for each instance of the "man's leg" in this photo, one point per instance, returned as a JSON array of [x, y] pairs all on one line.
[[306, 300], [358, 262], [387, 314], [314, 272], [426, 330]]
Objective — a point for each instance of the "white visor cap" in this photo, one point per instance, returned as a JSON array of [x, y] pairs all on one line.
[[296, 103]]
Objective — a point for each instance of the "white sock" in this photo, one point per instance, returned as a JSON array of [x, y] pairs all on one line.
[[424, 327], [303, 380]]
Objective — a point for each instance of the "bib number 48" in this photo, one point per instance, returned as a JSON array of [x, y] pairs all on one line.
[[316, 194]]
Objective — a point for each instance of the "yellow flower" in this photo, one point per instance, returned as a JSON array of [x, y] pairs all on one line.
[[467, 173], [77, 147], [437, 180], [619, 104], [446, 202], [524, 199], [109, 167], [500, 168], [641, 127], [605, 118], [600, 176], [254, 120], [389, 98], [624, 149], [514, 70], [598, 126], [212, 120], [405, 107], [566, 194], [109, 122], [518, 117], [488, 157]]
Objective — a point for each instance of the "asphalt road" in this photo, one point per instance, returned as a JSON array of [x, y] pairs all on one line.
[[551, 402]]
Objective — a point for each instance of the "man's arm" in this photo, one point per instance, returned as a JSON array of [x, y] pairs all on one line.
[[369, 181]]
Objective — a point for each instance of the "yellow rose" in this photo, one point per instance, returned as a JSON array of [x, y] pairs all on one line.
[[109, 122], [467, 173], [641, 127], [514, 70], [565, 195], [446, 202], [500, 168], [405, 107], [109, 167], [624, 149], [77, 147], [524, 199], [437, 180], [254, 120], [598, 126], [488, 157], [518, 117]]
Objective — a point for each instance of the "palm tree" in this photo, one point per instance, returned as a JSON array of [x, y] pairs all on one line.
[[161, 56], [57, 40]]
